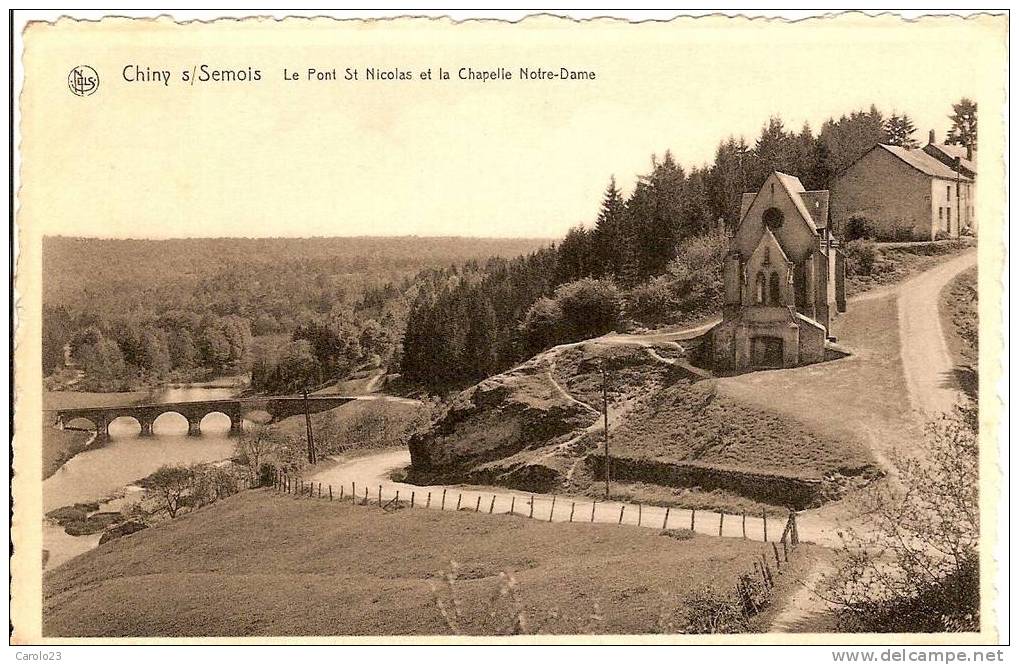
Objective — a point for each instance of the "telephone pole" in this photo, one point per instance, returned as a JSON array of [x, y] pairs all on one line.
[[605, 415], [307, 422]]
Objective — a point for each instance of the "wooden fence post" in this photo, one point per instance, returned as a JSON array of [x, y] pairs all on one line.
[[366, 495], [744, 525], [764, 516], [796, 532], [693, 515], [621, 509], [330, 492], [552, 510], [778, 562], [513, 503], [491, 506], [640, 514], [477, 507], [341, 492], [785, 551], [531, 515], [428, 501], [721, 518], [593, 504], [442, 506], [459, 497], [353, 492], [397, 499], [380, 495], [767, 570], [665, 522], [320, 490], [412, 499], [573, 507]]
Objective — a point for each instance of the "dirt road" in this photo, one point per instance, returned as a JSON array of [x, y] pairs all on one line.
[[928, 368], [926, 362]]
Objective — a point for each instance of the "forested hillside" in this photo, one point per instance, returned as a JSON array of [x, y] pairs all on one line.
[[136, 311], [652, 256], [445, 312]]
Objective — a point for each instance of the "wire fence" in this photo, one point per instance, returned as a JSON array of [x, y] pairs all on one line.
[[549, 508]]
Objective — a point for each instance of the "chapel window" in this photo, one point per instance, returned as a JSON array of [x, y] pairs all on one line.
[[773, 218], [774, 291], [760, 288]]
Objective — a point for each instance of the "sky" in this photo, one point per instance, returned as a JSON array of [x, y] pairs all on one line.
[[498, 158]]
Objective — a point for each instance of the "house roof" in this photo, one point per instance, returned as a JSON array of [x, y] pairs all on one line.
[[817, 204], [921, 161], [952, 151]]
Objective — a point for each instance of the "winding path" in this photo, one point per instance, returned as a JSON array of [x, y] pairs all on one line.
[[928, 368], [926, 362]]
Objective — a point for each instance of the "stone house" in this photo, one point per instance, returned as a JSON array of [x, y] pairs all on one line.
[[784, 279], [964, 160], [905, 194]]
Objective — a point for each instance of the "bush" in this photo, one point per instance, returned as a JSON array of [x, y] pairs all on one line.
[[707, 611], [651, 302], [916, 569], [590, 307], [542, 326], [861, 255], [858, 227]]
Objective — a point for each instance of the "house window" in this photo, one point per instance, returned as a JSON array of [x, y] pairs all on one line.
[[760, 287], [774, 292], [941, 214], [949, 219], [948, 193]]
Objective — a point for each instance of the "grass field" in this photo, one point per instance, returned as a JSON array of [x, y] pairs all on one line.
[[957, 308], [70, 399], [694, 423], [897, 262], [266, 564], [860, 399]]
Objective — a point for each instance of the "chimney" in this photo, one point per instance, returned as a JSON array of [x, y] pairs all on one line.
[[930, 137]]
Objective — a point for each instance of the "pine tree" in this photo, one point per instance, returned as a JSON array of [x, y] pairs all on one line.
[[608, 231], [964, 124], [900, 129]]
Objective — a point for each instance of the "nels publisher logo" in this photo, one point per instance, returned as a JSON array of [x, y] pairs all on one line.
[[83, 80]]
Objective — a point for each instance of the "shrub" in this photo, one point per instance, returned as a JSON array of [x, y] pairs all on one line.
[[590, 307], [916, 568], [707, 611], [861, 255], [858, 227], [652, 301], [543, 325]]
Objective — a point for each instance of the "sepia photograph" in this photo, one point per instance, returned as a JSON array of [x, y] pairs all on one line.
[[684, 330]]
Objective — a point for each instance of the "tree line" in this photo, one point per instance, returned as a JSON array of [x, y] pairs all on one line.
[[298, 313], [651, 256]]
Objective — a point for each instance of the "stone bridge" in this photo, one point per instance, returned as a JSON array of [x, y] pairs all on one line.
[[278, 408]]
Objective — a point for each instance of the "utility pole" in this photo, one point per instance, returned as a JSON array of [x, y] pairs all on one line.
[[605, 414], [307, 422], [958, 201]]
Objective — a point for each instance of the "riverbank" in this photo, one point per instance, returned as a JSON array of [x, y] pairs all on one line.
[[360, 570], [60, 445]]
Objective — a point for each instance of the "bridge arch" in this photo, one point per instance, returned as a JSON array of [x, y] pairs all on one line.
[[127, 424], [171, 422], [216, 420]]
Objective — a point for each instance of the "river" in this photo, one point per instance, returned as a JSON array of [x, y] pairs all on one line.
[[109, 470]]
